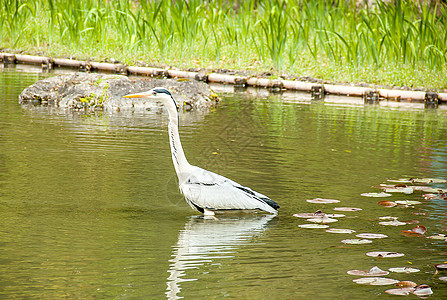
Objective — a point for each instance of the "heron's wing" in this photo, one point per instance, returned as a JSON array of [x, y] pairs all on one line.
[[209, 190]]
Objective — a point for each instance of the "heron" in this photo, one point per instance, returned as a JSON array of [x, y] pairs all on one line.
[[204, 191]]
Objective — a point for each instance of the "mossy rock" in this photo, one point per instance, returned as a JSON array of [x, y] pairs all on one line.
[[92, 91]]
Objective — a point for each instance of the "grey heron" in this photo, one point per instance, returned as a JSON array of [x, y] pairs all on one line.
[[204, 191]]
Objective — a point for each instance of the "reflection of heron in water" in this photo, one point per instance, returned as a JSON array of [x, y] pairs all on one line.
[[203, 240], [205, 191]]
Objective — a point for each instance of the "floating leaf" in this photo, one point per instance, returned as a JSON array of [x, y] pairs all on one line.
[[407, 202], [404, 270], [441, 196], [401, 180], [376, 194], [304, 215], [439, 236], [429, 180], [336, 230], [322, 220], [386, 203], [322, 201], [406, 284], [347, 208], [313, 226], [371, 235], [375, 281], [412, 221], [335, 215], [374, 271], [424, 188], [441, 267], [384, 254], [417, 230], [422, 290], [388, 218], [443, 278], [392, 223], [405, 190], [356, 241], [400, 292]]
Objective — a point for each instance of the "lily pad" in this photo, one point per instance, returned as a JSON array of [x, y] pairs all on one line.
[[375, 281], [401, 180], [374, 271], [443, 278], [304, 215], [406, 284], [356, 241], [403, 270], [336, 230], [322, 201], [312, 226], [386, 203], [400, 292], [347, 209], [405, 190], [422, 290], [424, 188], [429, 180], [416, 231], [407, 202], [376, 194], [441, 196], [371, 235], [439, 236], [392, 223], [384, 254], [322, 220], [441, 267], [387, 218]]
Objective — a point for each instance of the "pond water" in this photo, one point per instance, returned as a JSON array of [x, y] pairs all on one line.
[[89, 206]]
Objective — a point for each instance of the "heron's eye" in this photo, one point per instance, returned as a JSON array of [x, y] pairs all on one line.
[[154, 93]]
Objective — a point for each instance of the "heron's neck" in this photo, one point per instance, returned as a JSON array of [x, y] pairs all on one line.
[[181, 165]]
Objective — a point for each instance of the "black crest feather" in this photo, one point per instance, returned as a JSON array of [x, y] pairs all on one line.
[[162, 90]]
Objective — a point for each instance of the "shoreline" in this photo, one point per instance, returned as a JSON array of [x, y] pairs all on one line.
[[317, 89]]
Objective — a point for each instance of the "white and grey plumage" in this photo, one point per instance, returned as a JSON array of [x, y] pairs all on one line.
[[205, 191]]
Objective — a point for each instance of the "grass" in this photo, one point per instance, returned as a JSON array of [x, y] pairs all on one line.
[[399, 44]]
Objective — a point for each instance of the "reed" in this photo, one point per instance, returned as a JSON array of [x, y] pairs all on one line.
[[308, 38]]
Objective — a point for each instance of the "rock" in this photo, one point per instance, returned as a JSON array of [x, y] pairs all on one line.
[[105, 92]]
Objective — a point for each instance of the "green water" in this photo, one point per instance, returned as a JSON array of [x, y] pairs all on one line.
[[89, 206]]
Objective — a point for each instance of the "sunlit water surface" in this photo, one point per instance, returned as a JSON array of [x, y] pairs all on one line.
[[89, 206]]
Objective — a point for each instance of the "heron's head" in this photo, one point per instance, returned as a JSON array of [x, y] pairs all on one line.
[[158, 93]]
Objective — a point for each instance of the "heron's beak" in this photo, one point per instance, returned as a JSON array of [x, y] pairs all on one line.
[[139, 95]]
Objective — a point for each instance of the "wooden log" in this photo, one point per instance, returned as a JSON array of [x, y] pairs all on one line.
[[30, 59], [402, 95], [103, 66], [344, 90], [252, 81], [147, 71], [442, 97], [65, 62], [298, 85], [221, 78], [263, 82], [181, 74]]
